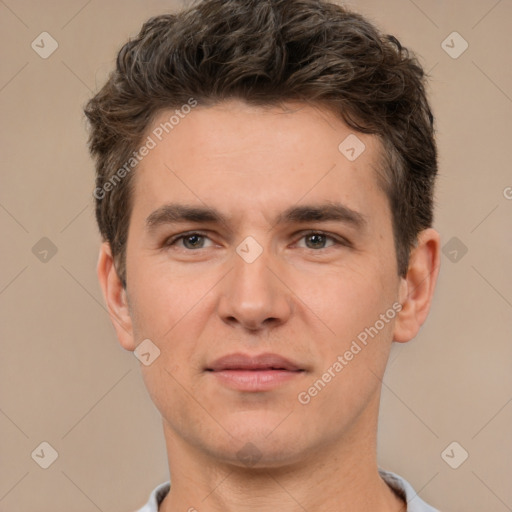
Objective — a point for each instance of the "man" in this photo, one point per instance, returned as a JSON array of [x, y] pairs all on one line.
[[265, 173]]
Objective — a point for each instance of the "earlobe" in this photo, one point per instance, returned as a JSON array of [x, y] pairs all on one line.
[[417, 287], [115, 297]]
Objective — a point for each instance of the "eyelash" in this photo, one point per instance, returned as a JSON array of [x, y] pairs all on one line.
[[338, 241]]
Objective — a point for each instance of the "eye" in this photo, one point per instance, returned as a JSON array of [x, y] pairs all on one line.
[[318, 240], [190, 241]]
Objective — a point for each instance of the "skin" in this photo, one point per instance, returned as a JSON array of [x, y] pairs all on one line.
[[305, 298]]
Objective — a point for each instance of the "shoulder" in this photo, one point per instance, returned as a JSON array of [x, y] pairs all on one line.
[[405, 490], [156, 497]]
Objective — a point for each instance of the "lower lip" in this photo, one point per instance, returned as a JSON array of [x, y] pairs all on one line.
[[255, 380]]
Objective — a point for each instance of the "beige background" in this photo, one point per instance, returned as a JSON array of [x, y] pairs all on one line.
[[66, 381]]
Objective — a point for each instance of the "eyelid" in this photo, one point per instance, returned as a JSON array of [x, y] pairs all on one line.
[[339, 240], [171, 240]]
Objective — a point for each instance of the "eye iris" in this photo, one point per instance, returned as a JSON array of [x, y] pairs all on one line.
[[193, 241], [315, 241]]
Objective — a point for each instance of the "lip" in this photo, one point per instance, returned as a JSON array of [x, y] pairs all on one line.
[[261, 372], [266, 361]]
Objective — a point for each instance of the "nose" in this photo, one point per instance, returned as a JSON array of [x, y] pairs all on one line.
[[253, 297]]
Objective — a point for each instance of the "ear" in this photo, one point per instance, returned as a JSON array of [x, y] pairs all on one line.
[[115, 298], [417, 287]]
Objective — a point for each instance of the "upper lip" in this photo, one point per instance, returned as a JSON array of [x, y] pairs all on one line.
[[240, 361]]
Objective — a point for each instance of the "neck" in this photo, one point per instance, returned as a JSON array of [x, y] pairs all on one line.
[[341, 476]]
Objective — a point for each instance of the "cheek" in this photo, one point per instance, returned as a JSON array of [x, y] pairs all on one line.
[[349, 300], [162, 299], [351, 361], [170, 393]]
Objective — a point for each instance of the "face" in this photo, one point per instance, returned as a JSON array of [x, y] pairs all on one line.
[[260, 261]]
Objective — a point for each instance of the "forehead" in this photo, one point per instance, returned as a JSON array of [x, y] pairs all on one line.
[[252, 158]]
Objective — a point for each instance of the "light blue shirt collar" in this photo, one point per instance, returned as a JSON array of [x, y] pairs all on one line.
[[396, 482]]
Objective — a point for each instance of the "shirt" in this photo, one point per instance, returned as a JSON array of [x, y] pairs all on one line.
[[397, 483]]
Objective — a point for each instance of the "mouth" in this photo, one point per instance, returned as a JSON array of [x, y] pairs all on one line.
[[259, 362], [254, 373]]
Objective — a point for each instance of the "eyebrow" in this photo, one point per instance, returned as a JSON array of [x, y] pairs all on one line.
[[321, 213], [174, 213]]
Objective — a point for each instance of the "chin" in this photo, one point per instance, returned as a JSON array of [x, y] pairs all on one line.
[[262, 444]]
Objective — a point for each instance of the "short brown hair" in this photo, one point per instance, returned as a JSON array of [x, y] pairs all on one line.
[[266, 52]]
